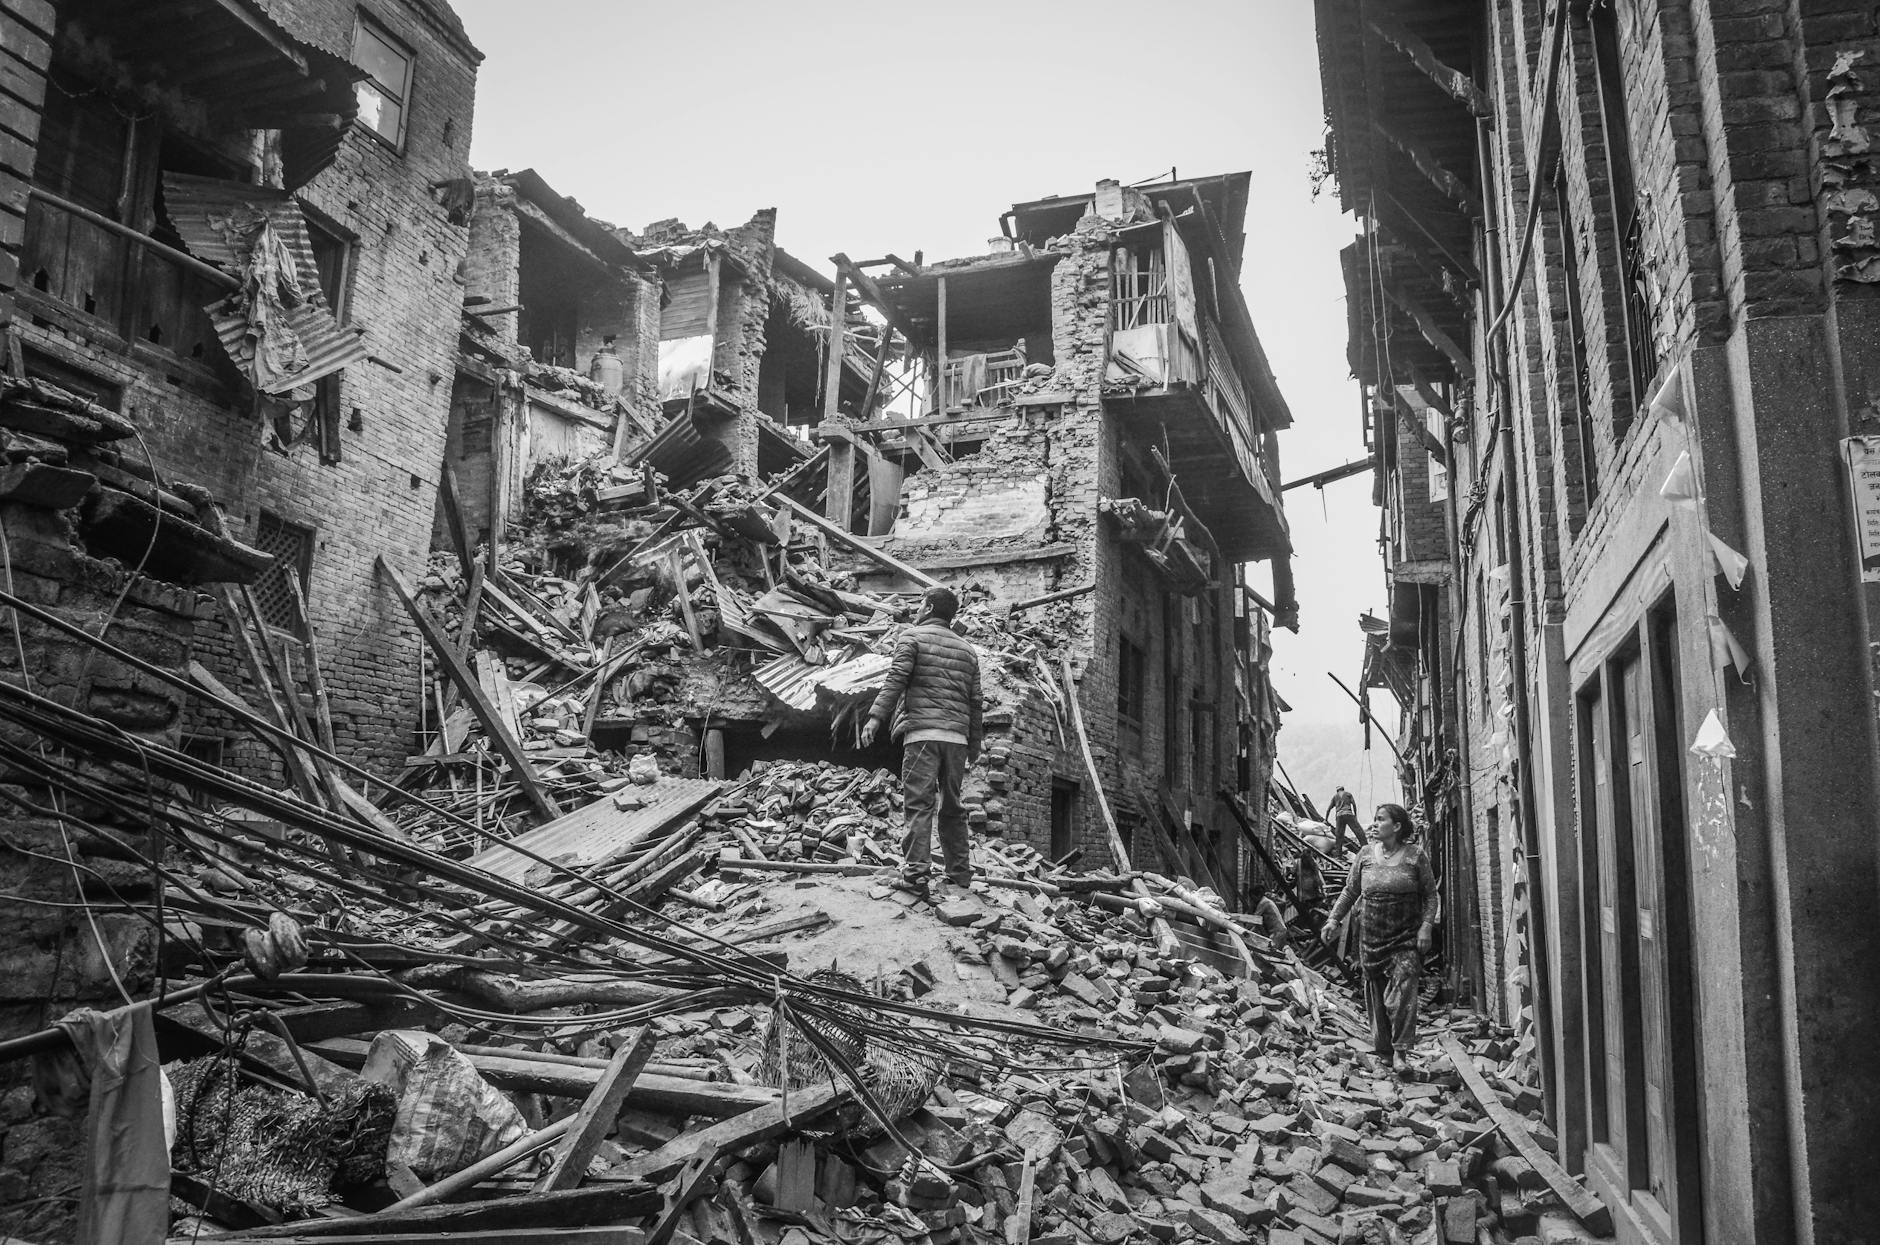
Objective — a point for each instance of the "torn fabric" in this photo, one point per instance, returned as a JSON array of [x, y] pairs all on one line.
[[125, 1197], [277, 326]]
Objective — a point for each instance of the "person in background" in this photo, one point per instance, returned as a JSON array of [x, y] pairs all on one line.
[[1311, 884], [1344, 809], [1269, 917], [1394, 877], [935, 682]]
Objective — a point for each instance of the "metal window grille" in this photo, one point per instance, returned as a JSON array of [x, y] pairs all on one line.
[[292, 547]]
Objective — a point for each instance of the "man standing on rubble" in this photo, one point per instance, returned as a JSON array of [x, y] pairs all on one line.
[[935, 681], [1344, 810]]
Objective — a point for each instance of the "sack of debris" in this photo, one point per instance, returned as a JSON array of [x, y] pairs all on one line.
[[448, 1115]]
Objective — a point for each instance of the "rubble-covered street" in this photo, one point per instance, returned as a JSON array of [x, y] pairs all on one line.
[[804, 718]]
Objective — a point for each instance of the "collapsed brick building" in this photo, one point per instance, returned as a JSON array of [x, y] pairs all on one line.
[[1614, 311], [1102, 432]]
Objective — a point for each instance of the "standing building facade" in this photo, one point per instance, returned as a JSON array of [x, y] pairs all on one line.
[[1617, 277]]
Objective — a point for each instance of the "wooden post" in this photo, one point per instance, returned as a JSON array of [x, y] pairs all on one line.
[[1165, 937], [940, 346], [840, 499], [271, 693], [487, 715], [597, 1115], [713, 275]]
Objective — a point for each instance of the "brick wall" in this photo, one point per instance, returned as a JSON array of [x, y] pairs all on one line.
[[26, 30], [407, 289]]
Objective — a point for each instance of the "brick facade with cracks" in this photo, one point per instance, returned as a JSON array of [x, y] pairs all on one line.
[[1701, 285]]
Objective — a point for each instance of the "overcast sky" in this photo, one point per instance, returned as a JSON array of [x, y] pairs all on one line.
[[871, 132]]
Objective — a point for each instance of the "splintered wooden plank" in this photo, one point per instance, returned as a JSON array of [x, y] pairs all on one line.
[[600, 833], [1588, 1209], [735, 1133], [597, 1115], [494, 680], [453, 666]]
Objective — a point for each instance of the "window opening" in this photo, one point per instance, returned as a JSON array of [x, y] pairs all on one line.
[[292, 547], [1628, 218], [1063, 818], [385, 93]]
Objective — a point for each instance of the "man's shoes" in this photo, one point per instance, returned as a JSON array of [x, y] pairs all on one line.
[[955, 890], [912, 885], [1400, 1065]]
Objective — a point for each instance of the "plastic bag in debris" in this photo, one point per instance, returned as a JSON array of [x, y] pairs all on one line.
[[448, 1115]]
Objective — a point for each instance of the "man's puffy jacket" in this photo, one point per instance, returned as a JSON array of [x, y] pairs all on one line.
[[935, 677]]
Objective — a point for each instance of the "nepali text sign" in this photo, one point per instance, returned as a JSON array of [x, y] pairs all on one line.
[[1863, 471]]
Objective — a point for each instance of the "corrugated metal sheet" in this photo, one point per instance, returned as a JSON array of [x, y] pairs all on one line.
[[851, 678], [788, 679], [205, 212], [683, 454], [796, 683], [600, 832]]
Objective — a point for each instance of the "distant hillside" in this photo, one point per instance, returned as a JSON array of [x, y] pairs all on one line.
[[1320, 756]]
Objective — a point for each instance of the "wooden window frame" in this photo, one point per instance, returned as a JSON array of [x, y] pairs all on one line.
[[366, 24]]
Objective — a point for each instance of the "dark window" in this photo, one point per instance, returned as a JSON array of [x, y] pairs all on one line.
[[385, 94], [1628, 220], [332, 255], [292, 547], [1131, 661], [1063, 818], [1200, 744]]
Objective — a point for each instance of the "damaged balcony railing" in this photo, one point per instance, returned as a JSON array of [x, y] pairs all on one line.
[[981, 379], [140, 287]]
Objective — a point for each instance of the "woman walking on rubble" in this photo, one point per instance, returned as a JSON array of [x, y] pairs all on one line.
[[1393, 876]]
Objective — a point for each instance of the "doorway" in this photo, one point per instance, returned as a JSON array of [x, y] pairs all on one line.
[[1643, 1111]]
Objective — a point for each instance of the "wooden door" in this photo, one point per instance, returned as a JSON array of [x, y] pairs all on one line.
[[1641, 1072], [1650, 1159]]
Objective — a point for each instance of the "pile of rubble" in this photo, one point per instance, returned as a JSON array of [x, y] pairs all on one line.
[[541, 988]]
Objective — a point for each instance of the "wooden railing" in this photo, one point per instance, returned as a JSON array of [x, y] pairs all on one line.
[[136, 286], [964, 384]]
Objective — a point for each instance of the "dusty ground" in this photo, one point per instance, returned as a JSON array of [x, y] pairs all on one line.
[[874, 933]]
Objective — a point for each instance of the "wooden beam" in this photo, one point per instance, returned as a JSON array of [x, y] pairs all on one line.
[[598, 1113], [695, 1181], [839, 501], [940, 345], [1411, 421], [991, 415], [1426, 163], [467, 686], [856, 543], [493, 1221], [1453, 82], [1461, 264], [453, 520], [735, 1133], [1165, 937], [1432, 332], [1587, 1208]]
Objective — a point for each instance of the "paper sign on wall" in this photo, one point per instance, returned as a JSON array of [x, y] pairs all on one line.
[[1863, 471]]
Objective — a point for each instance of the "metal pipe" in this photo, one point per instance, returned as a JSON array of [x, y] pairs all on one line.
[[208, 272]]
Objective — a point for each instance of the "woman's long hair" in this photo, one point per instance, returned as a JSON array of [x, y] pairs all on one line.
[[1406, 828]]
